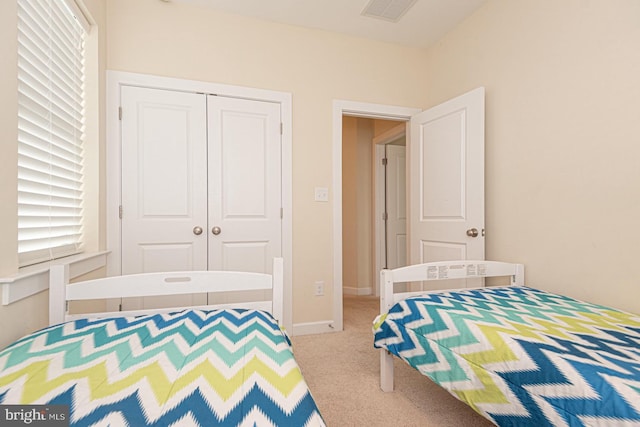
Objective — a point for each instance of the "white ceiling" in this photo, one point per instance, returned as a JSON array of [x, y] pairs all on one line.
[[426, 22]]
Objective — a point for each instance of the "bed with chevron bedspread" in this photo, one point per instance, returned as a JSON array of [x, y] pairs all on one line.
[[521, 356], [227, 367]]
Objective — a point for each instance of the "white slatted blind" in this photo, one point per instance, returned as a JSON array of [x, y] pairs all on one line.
[[50, 130]]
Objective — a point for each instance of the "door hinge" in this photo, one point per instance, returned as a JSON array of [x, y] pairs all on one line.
[[120, 211], [281, 128], [384, 161], [281, 213], [119, 113], [385, 216]]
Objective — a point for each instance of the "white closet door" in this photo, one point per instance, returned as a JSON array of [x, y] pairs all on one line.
[[245, 224], [164, 180]]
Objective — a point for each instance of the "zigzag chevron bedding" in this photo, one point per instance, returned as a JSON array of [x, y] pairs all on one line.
[[190, 368], [522, 357]]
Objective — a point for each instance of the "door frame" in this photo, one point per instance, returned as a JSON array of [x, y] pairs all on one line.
[[113, 166], [356, 109]]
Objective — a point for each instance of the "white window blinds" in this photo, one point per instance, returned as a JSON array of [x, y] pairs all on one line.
[[50, 130]]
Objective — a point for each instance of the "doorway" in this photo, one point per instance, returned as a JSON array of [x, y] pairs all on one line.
[[390, 194], [360, 110], [373, 201]]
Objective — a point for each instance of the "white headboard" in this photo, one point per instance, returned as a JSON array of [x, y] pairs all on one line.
[[169, 283]]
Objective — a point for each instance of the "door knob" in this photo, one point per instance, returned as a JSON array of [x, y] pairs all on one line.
[[472, 232], [197, 230], [216, 230]]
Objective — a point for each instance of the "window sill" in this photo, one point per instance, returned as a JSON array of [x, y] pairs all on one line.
[[35, 279]]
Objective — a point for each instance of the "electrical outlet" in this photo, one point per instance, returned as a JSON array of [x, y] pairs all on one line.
[[319, 288], [321, 194]]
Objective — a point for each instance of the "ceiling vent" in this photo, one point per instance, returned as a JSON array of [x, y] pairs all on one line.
[[389, 10]]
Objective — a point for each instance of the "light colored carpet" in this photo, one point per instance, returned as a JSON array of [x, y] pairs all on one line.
[[342, 370]]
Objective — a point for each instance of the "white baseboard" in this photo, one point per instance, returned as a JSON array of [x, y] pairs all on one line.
[[350, 290], [311, 328]]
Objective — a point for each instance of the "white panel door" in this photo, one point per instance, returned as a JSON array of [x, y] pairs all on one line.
[[447, 181], [164, 180], [245, 224], [396, 206]]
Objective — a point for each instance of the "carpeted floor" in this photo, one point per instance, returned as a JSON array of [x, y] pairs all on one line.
[[342, 370]]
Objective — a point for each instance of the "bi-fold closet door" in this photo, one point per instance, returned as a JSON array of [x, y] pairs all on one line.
[[201, 182]]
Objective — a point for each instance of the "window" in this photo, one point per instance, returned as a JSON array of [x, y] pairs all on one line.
[[51, 36]]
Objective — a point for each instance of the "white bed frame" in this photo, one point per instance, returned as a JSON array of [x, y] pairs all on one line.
[[443, 270], [169, 283]]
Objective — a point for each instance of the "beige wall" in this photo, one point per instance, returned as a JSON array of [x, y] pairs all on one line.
[[9, 138], [562, 131], [562, 137], [316, 67], [357, 206], [349, 202], [364, 198], [382, 126]]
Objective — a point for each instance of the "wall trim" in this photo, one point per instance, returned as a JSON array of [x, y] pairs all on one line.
[[312, 328], [35, 279], [356, 291]]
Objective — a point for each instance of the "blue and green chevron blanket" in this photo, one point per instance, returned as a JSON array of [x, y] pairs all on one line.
[[189, 368], [521, 356]]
